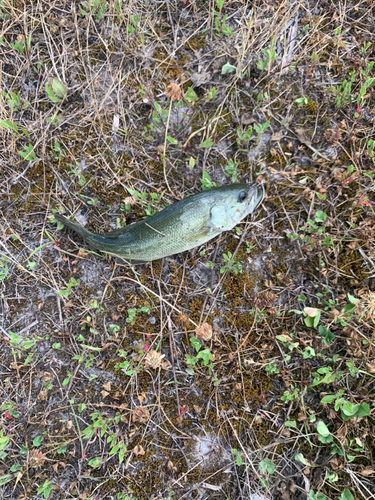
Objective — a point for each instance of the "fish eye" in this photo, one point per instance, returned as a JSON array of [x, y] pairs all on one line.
[[242, 196]]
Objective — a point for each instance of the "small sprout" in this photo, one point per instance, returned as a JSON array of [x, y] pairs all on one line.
[[228, 68]]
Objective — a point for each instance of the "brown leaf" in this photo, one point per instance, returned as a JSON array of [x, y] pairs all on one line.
[[104, 394], [248, 118], [342, 431], [165, 364], [56, 466], [173, 91], [138, 450], [311, 311], [264, 299], [277, 136], [42, 396], [81, 253], [171, 466], [286, 337], [332, 136], [68, 304], [203, 332], [141, 414], [130, 200], [367, 471], [336, 463], [107, 386], [301, 137]]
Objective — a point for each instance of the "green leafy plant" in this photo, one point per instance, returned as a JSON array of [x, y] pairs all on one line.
[[28, 154], [94, 7], [204, 355], [301, 101], [14, 100], [271, 368], [4, 268], [57, 91], [206, 182], [65, 292], [220, 20], [132, 313], [238, 455], [132, 26], [266, 468], [22, 44], [269, 56], [290, 395], [127, 366], [46, 488], [231, 170], [150, 207], [230, 265]]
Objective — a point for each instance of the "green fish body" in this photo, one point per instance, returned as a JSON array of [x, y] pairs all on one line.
[[179, 227]]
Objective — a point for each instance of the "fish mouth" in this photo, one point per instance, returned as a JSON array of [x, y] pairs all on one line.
[[256, 197]]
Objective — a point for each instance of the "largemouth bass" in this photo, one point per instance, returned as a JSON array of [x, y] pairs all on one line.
[[179, 227]]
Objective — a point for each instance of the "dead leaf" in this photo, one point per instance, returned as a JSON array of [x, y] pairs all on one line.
[[68, 304], [333, 314], [301, 417], [302, 138], [141, 414], [142, 397], [204, 332], [342, 431], [264, 299], [173, 91], [165, 364], [311, 311], [85, 494], [367, 471], [277, 136], [200, 78], [138, 450], [332, 136], [248, 118], [286, 337], [171, 466], [43, 395], [81, 253], [130, 200], [336, 464], [104, 394], [107, 386], [56, 466]]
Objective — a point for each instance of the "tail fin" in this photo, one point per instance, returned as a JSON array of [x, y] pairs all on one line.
[[75, 226]]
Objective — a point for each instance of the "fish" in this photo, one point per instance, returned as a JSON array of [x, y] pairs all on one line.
[[182, 226]]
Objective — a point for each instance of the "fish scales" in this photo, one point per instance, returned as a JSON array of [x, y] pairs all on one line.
[[179, 227]]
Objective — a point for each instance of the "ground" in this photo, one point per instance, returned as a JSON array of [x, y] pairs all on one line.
[[243, 369]]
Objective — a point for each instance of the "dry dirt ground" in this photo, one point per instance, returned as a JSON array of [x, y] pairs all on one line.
[[243, 369]]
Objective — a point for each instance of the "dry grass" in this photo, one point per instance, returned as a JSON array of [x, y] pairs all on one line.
[[102, 393]]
